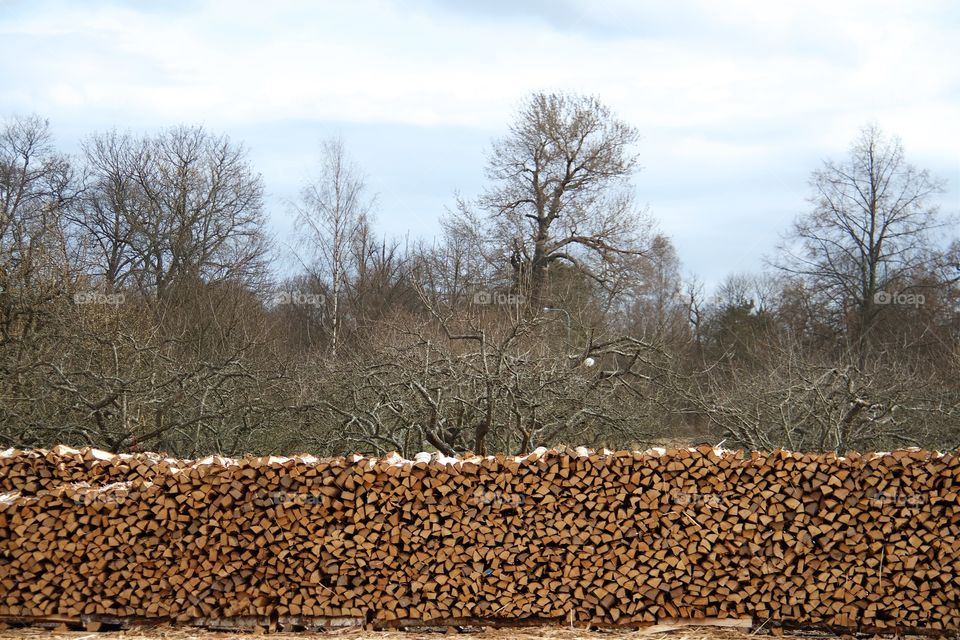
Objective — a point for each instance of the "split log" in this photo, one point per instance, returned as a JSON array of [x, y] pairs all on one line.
[[860, 542]]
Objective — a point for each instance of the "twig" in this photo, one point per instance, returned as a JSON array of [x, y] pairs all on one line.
[[882, 552], [755, 631]]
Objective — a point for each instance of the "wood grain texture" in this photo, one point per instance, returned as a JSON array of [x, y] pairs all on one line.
[[865, 541]]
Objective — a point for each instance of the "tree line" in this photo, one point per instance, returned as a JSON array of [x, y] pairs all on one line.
[[141, 306]]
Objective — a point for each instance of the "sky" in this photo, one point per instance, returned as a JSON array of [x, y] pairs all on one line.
[[736, 102]]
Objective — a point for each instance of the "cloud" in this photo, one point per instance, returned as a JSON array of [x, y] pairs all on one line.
[[687, 64], [737, 101]]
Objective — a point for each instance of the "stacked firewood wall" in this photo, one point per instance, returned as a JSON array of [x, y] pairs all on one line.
[[865, 541]]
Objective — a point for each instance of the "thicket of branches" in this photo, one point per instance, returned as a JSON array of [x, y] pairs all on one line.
[[140, 309]]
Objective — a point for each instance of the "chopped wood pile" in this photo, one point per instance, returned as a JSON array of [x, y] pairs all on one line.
[[865, 541]]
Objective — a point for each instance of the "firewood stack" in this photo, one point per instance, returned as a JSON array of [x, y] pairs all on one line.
[[862, 542], [30, 472]]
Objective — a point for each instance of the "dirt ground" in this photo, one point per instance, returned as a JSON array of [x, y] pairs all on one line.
[[535, 633]]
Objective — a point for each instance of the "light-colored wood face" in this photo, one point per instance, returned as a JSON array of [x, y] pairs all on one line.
[[570, 537]]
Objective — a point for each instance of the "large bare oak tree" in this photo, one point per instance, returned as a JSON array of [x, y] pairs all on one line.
[[561, 192]]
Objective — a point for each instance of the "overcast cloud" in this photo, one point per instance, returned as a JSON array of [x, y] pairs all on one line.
[[736, 101]]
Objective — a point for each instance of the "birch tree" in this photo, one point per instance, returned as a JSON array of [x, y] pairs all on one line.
[[333, 211]]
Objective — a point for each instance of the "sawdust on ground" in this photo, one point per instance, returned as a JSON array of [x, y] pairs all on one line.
[[535, 633]]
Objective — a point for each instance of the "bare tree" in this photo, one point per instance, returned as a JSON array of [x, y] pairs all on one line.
[[135, 312], [177, 358], [656, 306], [334, 210], [759, 291], [561, 193], [173, 209], [113, 206], [811, 402], [108, 374], [868, 230], [459, 381], [37, 185]]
